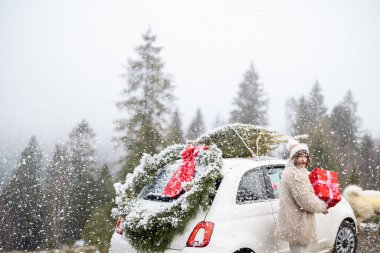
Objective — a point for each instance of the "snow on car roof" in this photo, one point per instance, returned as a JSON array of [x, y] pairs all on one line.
[[231, 163]]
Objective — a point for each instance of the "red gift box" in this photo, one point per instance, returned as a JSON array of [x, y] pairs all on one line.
[[326, 186]]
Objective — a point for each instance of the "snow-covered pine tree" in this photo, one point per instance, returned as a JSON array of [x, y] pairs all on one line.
[[104, 185], [251, 104], [6, 163], [377, 161], [308, 116], [147, 100], [354, 177], [22, 199], [197, 126], [317, 124], [297, 117], [322, 146], [368, 165], [98, 230], [290, 115], [316, 107], [219, 121], [344, 120], [175, 132], [83, 166], [344, 123], [303, 115], [57, 194], [8, 229]]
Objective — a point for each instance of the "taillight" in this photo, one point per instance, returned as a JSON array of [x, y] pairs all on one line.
[[118, 228], [201, 235]]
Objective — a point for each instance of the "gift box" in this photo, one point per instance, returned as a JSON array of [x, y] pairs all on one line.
[[326, 186]]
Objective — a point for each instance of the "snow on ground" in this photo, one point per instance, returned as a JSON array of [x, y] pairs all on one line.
[[369, 242], [369, 239]]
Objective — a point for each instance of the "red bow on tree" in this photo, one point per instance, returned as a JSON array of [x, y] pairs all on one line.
[[185, 173]]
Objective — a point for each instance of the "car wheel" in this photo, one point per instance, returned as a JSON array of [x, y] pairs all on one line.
[[244, 250], [346, 239]]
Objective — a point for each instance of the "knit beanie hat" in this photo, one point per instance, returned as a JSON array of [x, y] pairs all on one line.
[[294, 146]]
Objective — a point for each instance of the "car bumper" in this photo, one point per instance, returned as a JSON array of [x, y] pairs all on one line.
[[119, 244], [208, 249]]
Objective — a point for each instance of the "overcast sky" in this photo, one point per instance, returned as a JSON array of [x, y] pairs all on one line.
[[61, 61]]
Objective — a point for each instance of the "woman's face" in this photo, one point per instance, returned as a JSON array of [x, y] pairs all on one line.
[[301, 160]]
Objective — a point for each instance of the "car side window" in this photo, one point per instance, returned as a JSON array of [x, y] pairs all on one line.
[[252, 187], [274, 176]]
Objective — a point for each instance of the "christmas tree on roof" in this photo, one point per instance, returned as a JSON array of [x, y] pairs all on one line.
[[242, 140]]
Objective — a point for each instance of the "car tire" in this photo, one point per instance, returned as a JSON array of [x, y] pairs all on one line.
[[346, 240], [244, 250]]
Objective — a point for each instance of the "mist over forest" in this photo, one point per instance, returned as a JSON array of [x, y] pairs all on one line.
[[60, 158]]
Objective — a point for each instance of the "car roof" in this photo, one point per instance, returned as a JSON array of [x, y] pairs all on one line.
[[234, 163]]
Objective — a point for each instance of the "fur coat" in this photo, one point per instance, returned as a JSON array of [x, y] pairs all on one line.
[[298, 203]]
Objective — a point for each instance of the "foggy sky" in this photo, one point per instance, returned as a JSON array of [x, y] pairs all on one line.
[[61, 61]]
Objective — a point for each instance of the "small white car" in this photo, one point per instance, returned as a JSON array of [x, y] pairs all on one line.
[[243, 214]]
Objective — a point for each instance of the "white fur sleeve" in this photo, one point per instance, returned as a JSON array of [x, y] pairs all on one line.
[[304, 194]]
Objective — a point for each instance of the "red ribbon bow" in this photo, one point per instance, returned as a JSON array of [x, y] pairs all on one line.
[[185, 173]]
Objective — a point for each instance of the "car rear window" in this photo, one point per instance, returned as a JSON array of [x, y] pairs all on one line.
[[154, 191]]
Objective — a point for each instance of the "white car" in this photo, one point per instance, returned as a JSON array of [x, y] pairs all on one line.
[[243, 214]]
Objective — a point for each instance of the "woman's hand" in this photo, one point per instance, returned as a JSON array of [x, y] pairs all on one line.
[[326, 211]]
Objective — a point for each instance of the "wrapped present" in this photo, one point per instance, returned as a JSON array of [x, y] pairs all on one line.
[[326, 186]]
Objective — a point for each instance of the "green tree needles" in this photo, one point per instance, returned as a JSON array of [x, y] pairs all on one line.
[[152, 229]]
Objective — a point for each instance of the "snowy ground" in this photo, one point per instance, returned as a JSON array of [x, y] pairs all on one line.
[[86, 249], [369, 240]]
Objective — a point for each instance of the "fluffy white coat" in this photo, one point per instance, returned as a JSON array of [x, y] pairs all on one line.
[[298, 203]]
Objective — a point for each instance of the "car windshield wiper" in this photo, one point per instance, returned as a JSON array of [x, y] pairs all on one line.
[[152, 196]]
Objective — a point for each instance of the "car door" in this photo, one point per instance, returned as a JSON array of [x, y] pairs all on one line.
[[242, 213], [255, 211], [273, 179]]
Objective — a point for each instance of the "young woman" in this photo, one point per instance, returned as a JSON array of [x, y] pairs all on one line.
[[298, 202]]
